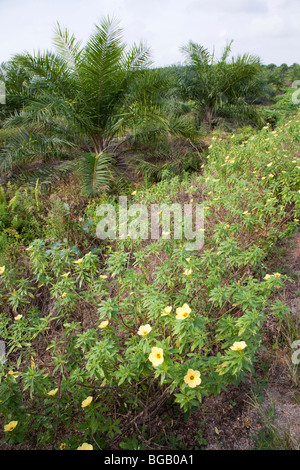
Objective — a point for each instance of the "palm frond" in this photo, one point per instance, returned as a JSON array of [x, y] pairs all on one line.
[[25, 145], [137, 57], [46, 174], [68, 47], [95, 171], [226, 52], [47, 70], [196, 54]]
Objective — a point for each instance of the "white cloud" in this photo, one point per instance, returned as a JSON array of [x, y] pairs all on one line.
[[231, 6], [255, 25], [270, 26]]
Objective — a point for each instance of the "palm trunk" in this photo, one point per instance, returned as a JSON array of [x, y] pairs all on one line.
[[209, 116], [99, 143]]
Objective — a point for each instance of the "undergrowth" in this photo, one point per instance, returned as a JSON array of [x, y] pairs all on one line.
[[100, 336]]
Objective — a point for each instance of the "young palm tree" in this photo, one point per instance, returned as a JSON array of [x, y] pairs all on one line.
[[16, 83], [218, 85], [86, 101]]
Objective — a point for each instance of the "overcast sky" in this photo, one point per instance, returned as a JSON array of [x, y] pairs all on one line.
[[267, 28]]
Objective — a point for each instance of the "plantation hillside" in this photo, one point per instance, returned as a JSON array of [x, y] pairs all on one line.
[[123, 342]]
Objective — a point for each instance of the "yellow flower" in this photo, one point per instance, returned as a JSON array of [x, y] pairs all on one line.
[[187, 272], [103, 324], [166, 311], [14, 374], [62, 446], [267, 276], [85, 446], [238, 346], [183, 312], [102, 276], [156, 356], [86, 402], [192, 378], [65, 275], [277, 274], [53, 392], [144, 330], [63, 295], [2, 269], [10, 426], [79, 261], [18, 317]]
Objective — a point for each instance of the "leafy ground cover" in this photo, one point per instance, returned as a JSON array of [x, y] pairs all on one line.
[[111, 343]]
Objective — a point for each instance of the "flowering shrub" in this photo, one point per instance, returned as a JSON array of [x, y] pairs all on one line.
[[94, 338]]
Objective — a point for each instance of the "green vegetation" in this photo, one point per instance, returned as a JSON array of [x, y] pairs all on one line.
[[81, 100], [217, 87], [102, 336]]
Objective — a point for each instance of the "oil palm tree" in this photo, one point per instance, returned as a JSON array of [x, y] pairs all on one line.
[[219, 85], [85, 101], [16, 84]]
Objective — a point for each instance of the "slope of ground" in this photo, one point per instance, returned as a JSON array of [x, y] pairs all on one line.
[[71, 317]]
